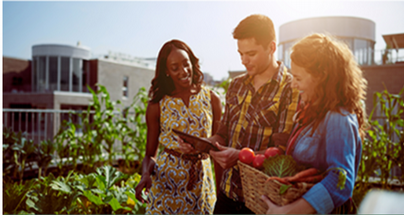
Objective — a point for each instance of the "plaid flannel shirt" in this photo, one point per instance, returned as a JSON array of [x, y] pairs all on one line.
[[251, 118]]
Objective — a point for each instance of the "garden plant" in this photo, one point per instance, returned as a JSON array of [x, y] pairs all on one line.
[[91, 174]]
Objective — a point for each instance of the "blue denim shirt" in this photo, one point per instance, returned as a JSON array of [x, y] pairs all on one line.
[[335, 143]]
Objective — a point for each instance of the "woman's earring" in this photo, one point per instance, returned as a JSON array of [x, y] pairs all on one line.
[[167, 75]]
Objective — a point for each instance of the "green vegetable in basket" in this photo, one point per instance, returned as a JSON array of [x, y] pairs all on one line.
[[281, 166], [284, 188], [284, 165]]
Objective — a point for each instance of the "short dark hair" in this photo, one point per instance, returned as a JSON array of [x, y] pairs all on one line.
[[161, 84], [257, 26]]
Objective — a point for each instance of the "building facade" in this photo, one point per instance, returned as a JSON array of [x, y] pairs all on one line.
[[58, 78], [357, 33]]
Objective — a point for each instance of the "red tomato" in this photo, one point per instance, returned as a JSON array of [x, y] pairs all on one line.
[[272, 151], [258, 161], [246, 155]]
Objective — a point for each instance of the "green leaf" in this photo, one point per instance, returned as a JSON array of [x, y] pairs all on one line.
[[281, 166], [101, 182], [115, 204], [93, 198], [60, 186], [31, 204], [131, 195], [284, 188]]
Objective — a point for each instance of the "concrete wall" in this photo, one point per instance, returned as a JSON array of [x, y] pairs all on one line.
[[105, 72], [390, 77], [71, 99], [110, 74], [51, 100], [61, 50], [352, 27]]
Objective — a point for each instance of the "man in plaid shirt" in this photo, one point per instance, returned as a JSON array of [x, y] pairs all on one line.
[[259, 104]]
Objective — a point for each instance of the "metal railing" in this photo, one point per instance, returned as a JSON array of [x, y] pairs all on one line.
[[35, 124], [367, 57], [380, 57], [43, 124]]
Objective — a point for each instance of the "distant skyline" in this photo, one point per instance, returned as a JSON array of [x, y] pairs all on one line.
[[140, 28]]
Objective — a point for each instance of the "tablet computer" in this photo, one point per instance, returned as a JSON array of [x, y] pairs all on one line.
[[198, 143]]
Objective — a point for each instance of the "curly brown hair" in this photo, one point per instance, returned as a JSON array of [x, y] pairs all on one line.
[[162, 84], [341, 83]]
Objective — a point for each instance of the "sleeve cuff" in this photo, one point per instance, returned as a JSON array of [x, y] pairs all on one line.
[[319, 198], [222, 131]]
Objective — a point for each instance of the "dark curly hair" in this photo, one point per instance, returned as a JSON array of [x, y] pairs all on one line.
[[161, 84]]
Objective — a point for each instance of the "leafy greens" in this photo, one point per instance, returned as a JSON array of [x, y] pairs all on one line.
[[281, 166]]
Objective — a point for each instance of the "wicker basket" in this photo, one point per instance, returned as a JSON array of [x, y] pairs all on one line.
[[255, 185]]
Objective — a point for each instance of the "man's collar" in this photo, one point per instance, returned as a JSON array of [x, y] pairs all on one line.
[[277, 76]]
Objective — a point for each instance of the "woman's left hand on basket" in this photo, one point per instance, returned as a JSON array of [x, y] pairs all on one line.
[[272, 208]]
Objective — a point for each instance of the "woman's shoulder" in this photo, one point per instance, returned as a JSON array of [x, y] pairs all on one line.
[[341, 117], [340, 113]]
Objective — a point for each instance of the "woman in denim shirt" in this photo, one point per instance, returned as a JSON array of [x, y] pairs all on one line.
[[330, 123]]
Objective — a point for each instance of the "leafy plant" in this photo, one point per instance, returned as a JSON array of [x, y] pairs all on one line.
[[98, 190], [102, 126], [104, 123], [9, 138], [52, 196], [105, 192], [22, 150], [281, 166], [134, 140], [15, 195], [383, 146], [44, 155], [101, 192], [67, 146]]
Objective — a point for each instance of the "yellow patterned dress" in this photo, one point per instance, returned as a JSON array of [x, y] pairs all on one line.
[[169, 193]]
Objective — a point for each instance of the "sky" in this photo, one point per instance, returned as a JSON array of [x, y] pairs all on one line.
[[140, 28]]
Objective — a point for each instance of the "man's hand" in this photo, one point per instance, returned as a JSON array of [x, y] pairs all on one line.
[[280, 139], [226, 157]]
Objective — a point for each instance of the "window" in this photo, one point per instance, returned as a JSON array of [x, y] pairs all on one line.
[[53, 73], [84, 83], [34, 73], [77, 74], [41, 74], [17, 81], [125, 86], [65, 74]]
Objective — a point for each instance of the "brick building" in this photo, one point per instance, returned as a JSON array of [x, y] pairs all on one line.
[[58, 76], [37, 91]]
